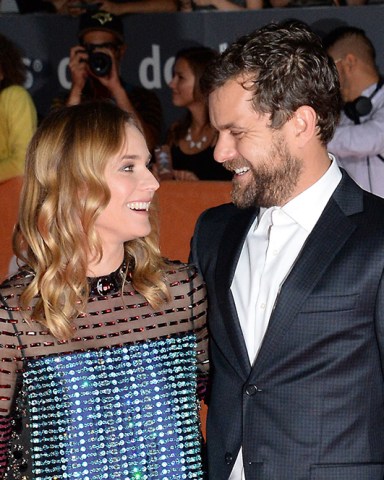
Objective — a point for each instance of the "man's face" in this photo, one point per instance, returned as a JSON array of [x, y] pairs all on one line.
[[100, 41], [340, 60], [265, 172]]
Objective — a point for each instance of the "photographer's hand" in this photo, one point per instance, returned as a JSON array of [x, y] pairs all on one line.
[[118, 93], [113, 84], [111, 81], [78, 67]]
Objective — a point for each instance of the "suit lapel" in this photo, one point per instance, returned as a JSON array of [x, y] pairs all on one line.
[[329, 235], [229, 253]]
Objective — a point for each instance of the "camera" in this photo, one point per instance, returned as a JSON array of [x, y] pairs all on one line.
[[100, 63]]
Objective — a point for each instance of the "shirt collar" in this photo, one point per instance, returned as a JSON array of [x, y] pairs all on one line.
[[306, 208], [369, 90]]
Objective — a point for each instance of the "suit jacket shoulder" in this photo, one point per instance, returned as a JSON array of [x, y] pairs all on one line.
[[216, 225]]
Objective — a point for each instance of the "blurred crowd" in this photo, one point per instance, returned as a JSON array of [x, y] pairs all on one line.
[[123, 7], [184, 150]]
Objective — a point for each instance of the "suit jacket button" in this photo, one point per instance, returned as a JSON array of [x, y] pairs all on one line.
[[228, 458], [251, 390]]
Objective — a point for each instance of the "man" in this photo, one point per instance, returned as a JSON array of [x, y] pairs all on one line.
[[358, 142], [102, 32], [293, 270]]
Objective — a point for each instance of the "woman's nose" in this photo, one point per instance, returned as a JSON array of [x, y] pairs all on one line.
[[171, 84], [151, 183]]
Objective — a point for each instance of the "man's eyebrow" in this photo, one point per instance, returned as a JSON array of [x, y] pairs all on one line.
[[229, 126]]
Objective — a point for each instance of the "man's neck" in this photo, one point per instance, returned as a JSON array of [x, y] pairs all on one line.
[[363, 83]]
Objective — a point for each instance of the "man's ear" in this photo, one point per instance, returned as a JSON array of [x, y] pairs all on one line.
[[349, 62], [304, 122]]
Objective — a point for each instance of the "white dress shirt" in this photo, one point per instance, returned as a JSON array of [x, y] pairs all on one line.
[[356, 146], [273, 243]]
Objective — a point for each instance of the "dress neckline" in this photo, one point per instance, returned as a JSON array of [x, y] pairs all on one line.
[[107, 284]]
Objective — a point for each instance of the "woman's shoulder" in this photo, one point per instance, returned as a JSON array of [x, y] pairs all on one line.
[[177, 268], [14, 284], [15, 97], [10, 290], [186, 286], [15, 91], [180, 273]]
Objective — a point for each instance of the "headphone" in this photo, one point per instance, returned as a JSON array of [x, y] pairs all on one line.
[[362, 105]]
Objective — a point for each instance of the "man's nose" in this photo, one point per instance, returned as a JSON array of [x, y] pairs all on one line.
[[224, 150]]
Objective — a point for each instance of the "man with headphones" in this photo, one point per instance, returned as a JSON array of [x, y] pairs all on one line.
[[358, 143]]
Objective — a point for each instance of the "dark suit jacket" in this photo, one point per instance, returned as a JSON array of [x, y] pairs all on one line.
[[312, 406]]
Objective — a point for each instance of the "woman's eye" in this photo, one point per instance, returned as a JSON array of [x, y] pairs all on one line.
[[128, 168]]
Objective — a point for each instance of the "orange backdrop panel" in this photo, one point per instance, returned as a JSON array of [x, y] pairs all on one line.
[[180, 204], [9, 198]]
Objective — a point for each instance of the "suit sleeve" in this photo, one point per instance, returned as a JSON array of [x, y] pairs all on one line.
[[193, 256], [379, 315]]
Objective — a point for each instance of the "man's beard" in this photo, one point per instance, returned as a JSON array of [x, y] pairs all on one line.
[[272, 182]]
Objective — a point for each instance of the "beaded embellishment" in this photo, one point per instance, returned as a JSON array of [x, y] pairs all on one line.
[[125, 413], [108, 283], [38, 380]]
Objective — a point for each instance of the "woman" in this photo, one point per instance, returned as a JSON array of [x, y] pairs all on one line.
[[192, 139], [101, 337], [18, 116]]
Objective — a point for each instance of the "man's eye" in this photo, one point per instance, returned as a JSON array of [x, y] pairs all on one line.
[[237, 134]]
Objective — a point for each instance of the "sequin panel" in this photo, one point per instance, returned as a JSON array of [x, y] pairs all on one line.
[[123, 413]]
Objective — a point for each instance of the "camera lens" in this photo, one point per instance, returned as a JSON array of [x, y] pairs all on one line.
[[100, 63]]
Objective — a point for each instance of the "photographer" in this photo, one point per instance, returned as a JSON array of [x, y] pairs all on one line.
[[95, 65]]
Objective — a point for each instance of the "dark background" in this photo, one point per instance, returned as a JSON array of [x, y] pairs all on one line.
[[153, 39]]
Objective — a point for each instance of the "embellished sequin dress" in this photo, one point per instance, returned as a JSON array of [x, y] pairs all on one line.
[[118, 401]]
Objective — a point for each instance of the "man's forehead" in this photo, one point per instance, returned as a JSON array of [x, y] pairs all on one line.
[[235, 85], [232, 93]]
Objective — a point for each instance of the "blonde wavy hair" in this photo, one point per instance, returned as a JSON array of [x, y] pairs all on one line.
[[56, 226]]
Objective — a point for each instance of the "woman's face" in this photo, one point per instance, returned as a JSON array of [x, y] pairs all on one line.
[[132, 187], [182, 84]]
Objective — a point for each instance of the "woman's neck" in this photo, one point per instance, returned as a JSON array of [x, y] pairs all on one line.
[[108, 263]]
